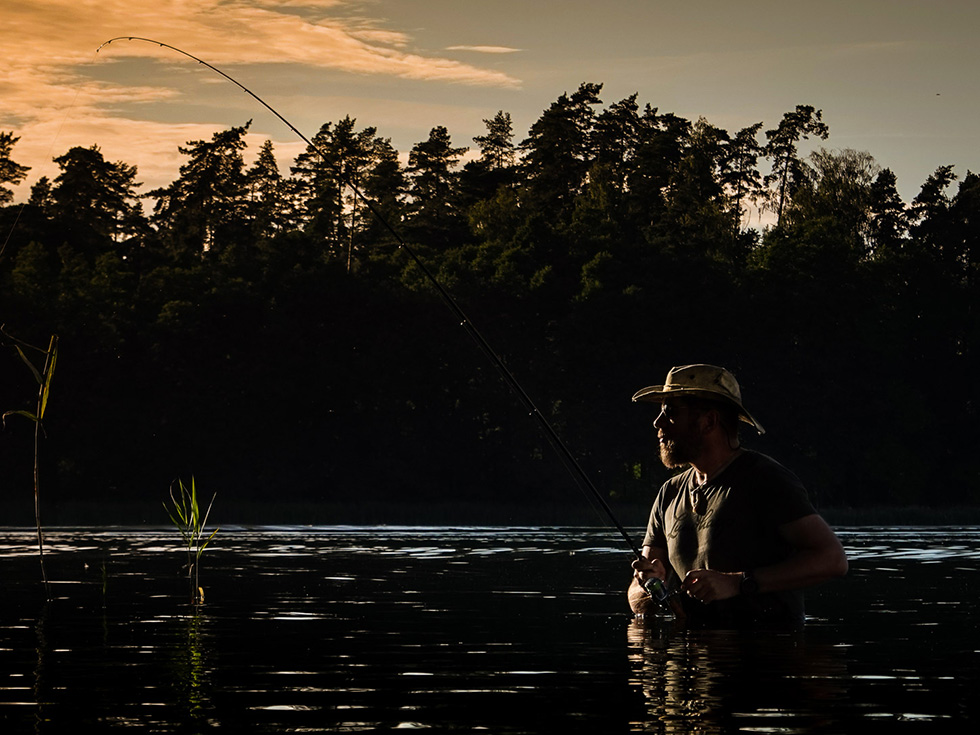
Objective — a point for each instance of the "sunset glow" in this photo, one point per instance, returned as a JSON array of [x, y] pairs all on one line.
[[891, 78]]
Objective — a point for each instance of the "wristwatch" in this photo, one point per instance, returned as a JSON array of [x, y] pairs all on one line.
[[749, 586]]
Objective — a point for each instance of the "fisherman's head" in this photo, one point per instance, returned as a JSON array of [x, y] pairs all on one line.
[[695, 400], [702, 385]]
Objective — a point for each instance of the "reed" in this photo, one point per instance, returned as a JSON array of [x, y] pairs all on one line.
[[43, 376], [185, 514]]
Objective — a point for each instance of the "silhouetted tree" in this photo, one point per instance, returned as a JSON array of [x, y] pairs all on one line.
[[611, 242], [836, 186], [11, 172], [496, 167], [497, 146], [93, 203], [433, 215], [695, 196], [781, 150], [662, 139], [615, 138], [206, 208], [557, 153], [739, 173], [889, 216], [268, 204], [385, 185], [931, 220], [327, 174]]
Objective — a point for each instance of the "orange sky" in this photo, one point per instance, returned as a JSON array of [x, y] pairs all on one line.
[[893, 77]]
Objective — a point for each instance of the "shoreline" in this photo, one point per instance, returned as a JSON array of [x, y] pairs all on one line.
[[134, 514]]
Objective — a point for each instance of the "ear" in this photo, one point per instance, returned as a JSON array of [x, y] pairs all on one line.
[[709, 420]]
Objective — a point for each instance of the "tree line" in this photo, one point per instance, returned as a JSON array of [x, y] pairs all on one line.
[[265, 330]]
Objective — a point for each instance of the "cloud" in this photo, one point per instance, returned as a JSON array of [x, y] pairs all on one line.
[[243, 32], [485, 49], [59, 91], [378, 36]]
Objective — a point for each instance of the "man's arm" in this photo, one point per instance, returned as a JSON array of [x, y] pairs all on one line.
[[818, 557]]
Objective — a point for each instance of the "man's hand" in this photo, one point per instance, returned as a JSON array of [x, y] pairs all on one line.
[[649, 565], [644, 568], [706, 585]]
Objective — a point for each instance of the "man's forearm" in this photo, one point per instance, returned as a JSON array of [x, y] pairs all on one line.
[[806, 568], [640, 602], [819, 557]]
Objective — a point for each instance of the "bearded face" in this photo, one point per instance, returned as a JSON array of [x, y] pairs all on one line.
[[679, 434]]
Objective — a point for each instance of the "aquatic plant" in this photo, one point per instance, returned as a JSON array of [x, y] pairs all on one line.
[[43, 378], [186, 516]]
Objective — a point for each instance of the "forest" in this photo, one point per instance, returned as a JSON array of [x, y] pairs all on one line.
[[269, 333]]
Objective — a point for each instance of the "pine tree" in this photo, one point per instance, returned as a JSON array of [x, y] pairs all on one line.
[[432, 210], [326, 175], [889, 216], [615, 138], [93, 202], [781, 150], [204, 210], [385, 185], [495, 168], [268, 197], [661, 143], [497, 146], [739, 173], [557, 153], [10, 171], [695, 197]]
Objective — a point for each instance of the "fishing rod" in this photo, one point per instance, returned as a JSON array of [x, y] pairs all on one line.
[[571, 463]]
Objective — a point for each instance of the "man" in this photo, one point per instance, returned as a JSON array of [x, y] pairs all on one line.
[[734, 536]]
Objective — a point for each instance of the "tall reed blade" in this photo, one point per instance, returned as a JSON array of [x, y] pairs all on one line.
[[186, 516], [43, 377]]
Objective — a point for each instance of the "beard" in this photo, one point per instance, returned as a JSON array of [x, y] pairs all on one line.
[[680, 450]]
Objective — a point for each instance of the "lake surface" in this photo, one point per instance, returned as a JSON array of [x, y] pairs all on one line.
[[499, 630]]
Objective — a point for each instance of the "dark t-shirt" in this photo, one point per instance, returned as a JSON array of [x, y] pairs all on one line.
[[732, 528]]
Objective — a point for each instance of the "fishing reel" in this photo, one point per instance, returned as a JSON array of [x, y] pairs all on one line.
[[667, 600], [657, 590]]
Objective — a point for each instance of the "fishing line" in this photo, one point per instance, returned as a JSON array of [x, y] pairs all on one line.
[[571, 463]]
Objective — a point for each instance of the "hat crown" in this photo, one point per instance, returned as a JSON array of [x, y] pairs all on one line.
[[701, 381], [708, 378]]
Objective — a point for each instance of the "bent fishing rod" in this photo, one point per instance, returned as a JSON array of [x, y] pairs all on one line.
[[571, 463]]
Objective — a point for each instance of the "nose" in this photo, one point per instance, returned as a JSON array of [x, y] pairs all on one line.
[[661, 420]]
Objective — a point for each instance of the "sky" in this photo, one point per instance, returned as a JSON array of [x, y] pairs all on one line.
[[895, 78]]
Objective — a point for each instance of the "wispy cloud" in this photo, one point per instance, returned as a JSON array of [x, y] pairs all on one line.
[[54, 94], [485, 49]]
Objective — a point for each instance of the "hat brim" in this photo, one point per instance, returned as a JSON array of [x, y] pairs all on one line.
[[656, 394]]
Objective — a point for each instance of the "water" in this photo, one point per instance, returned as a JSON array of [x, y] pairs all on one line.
[[516, 630]]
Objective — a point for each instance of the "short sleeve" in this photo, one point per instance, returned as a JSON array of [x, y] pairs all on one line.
[[784, 496], [655, 525], [655, 535]]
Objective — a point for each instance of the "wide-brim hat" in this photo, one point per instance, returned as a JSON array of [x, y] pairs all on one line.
[[700, 381]]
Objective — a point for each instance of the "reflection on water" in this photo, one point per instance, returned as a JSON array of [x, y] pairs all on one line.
[[191, 666], [723, 681], [518, 630]]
